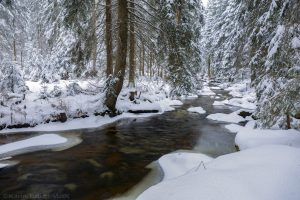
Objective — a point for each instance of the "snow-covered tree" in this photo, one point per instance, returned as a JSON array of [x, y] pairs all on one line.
[[181, 22], [275, 63]]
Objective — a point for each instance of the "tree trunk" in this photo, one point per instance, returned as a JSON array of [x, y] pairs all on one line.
[[209, 68], [143, 59], [116, 83], [132, 47], [108, 38], [141, 63], [150, 65], [94, 51], [288, 121], [15, 50]]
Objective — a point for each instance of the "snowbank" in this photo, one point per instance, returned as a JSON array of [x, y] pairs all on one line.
[[178, 164], [249, 138], [74, 124], [70, 101], [3, 165], [262, 173], [42, 140], [199, 110]]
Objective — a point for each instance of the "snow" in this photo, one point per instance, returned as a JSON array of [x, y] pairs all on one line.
[[206, 91], [199, 110], [74, 124], [42, 140], [230, 118], [275, 42], [220, 103], [248, 137], [244, 102], [215, 88], [35, 110], [263, 173], [2, 165], [296, 43], [234, 128], [178, 164], [244, 97]]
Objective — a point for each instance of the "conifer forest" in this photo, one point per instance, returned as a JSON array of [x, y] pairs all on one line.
[[150, 99]]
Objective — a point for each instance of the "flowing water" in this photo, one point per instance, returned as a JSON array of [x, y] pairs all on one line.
[[112, 159]]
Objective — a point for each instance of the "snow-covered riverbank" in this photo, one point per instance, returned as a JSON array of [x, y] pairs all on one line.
[[266, 168], [78, 104]]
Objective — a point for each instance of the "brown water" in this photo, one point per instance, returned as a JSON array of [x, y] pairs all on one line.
[[113, 159]]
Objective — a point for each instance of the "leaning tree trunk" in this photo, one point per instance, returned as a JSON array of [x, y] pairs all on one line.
[[108, 38], [115, 84]]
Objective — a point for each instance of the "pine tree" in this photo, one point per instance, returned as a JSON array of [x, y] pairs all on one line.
[[179, 40]]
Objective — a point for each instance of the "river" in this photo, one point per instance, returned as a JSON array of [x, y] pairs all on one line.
[[112, 159]]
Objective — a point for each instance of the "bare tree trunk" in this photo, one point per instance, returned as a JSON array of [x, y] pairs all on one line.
[[15, 50], [143, 59], [132, 46], [116, 83], [150, 65], [108, 37], [94, 51], [14, 44]]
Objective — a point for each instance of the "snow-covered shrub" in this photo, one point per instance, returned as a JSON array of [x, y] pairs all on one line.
[[73, 89], [56, 92], [44, 92]]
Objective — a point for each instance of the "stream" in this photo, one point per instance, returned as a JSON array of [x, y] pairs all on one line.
[[112, 159]]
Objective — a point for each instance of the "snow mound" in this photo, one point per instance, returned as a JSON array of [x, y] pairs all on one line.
[[199, 110], [244, 102], [231, 118], [177, 164], [3, 165], [42, 140], [249, 138], [263, 173], [220, 103], [247, 102]]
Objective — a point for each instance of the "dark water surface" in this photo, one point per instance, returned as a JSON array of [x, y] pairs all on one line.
[[112, 159]]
